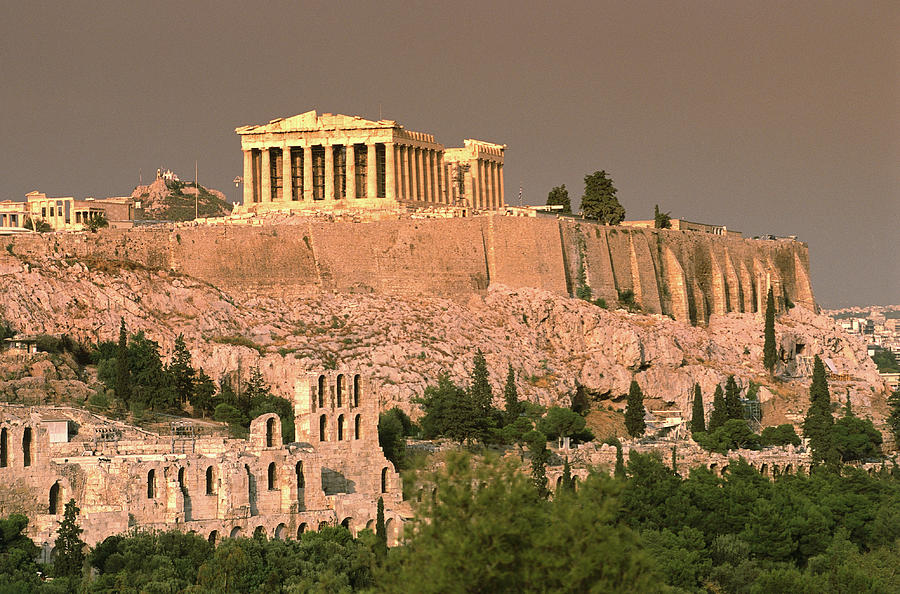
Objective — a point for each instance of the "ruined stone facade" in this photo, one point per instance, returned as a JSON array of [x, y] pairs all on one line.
[[336, 162], [65, 213], [123, 477]]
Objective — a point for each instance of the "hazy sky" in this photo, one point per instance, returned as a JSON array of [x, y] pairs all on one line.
[[768, 117]]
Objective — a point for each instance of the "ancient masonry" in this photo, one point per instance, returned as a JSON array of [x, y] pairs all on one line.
[[685, 274], [333, 162], [123, 477]]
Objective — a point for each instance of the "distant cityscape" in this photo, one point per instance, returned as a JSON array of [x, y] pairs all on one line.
[[879, 326]]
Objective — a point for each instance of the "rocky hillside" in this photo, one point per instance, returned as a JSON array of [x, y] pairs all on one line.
[[554, 343], [174, 201]]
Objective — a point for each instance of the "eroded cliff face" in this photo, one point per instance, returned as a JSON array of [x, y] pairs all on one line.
[[686, 275], [555, 343]]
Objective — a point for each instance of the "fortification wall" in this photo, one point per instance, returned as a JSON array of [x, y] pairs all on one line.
[[688, 275]]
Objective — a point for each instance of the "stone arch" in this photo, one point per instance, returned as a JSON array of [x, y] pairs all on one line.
[[764, 469], [260, 532], [210, 481], [26, 447], [321, 391], [340, 427], [357, 386], [151, 483], [339, 389], [53, 507], [235, 532], [348, 524], [323, 524], [370, 525], [323, 428], [384, 480], [574, 482], [724, 470], [357, 427], [213, 537], [301, 480], [270, 432], [272, 475], [301, 529], [788, 469], [391, 529], [559, 482], [280, 532], [4, 448]]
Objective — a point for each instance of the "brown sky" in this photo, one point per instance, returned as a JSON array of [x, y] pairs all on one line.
[[769, 117]]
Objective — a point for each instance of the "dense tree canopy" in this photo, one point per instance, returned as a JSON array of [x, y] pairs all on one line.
[[599, 200], [559, 196]]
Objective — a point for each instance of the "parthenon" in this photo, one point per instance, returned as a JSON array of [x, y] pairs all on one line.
[[335, 162]]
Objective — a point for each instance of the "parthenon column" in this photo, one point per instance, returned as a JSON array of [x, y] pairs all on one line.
[[426, 175], [350, 169], [489, 182], [432, 164], [408, 163], [248, 176], [372, 172], [329, 173], [500, 177], [389, 190], [307, 174], [286, 178], [420, 176], [442, 190], [266, 172], [482, 184], [495, 169]]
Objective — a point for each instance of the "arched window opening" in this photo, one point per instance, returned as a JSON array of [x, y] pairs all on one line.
[[384, 480], [301, 529], [260, 533], [357, 427], [151, 484], [53, 508], [181, 480], [270, 432], [271, 475], [340, 389], [346, 523], [301, 480], [322, 525], [356, 388], [213, 536], [4, 455], [210, 481], [340, 428], [26, 447], [280, 531], [321, 391], [235, 532], [323, 425]]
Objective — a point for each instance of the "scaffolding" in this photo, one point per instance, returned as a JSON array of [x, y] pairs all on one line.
[[184, 436]]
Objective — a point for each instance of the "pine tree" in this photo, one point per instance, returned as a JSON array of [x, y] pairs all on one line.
[[770, 356], [733, 406], [719, 413], [559, 195], [634, 411], [537, 445], [511, 395], [620, 462], [675, 460], [69, 546], [123, 376], [698, 422], [600, 201], [819, 421], [182, 372], [380, 530], [480, 388], [893, 419]]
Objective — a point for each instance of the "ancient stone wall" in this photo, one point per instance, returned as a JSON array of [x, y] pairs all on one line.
[[688, 275]]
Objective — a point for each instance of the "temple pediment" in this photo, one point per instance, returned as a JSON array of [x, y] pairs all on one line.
[[311, 121]]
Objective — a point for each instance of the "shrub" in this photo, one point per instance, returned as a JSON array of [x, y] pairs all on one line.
[[779, 436]]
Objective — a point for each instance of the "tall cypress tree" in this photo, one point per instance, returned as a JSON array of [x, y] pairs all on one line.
[[511, 395], [567, 484], [380, 530], [123, 379], [634, 411], [719, 413], [698, 422], [182, 372], [819, 421], [480, 388], [733, 407], [770, 356], [620, 462], [69, 546]]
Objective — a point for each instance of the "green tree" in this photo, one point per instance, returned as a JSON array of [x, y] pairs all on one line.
[[380, 530], [123, 376], [511, 396], [733, 407], [561, 422], [719, 413], [698, 422], [69, 546], [779, 436], [893, 418], [733, 434], [600, 201], [204, 390], [96, 222], [19, 571], [480, 386], [819, 422], [559, 195], [770, 356], [449, 412], [537, 446], [634, 411], [182, 372], [151, 386], [568, 483], [661, 220], [39, 225], [856, 439], [393, 428]]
